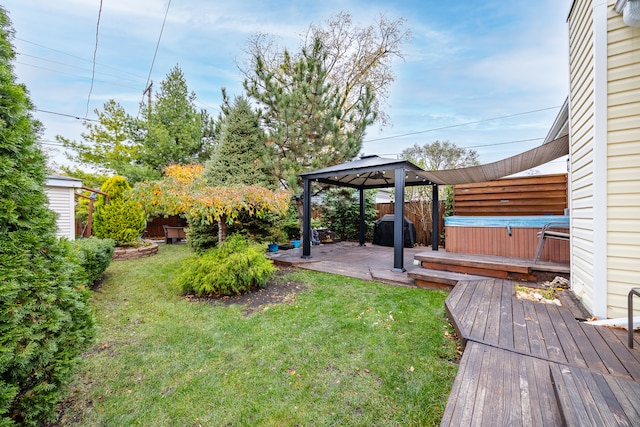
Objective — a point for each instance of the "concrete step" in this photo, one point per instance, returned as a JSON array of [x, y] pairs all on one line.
[[438, 279]]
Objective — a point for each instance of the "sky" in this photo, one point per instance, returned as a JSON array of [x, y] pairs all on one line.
[[487, 75]]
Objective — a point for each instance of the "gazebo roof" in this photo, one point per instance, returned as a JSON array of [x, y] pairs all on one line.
[[368, 172]]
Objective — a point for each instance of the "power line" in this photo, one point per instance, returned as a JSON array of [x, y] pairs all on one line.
[[66, 115], [67, 65], [155, 53], [95, 52], [460, 124], [482, 145], [74, 75], [77, 57]]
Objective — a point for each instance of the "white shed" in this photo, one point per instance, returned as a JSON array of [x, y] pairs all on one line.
[[60, 192]]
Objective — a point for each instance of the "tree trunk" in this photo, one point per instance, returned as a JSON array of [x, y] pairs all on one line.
[[222, 229]]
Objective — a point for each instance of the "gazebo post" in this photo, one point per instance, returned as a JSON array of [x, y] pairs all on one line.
[[362, 226], [398, 223], [435, 218], [306, 219]]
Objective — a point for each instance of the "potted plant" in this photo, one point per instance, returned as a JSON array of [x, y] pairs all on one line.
[[277, 236]]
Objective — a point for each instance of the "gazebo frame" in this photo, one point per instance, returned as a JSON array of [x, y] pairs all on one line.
[[368, 173]]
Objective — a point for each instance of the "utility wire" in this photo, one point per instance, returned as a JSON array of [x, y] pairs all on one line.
[[156, 52], [460, 124], [113, 83], [67, 65], [77, 57], [66, 115], [95, 52], [481, 145]]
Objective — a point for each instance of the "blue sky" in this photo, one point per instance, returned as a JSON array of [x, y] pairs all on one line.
[[467, 62]]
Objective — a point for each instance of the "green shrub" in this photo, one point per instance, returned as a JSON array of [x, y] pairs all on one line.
[[120, 220], [45, 319], [95, 256], [341, 213], [234, 267], [115, 187]]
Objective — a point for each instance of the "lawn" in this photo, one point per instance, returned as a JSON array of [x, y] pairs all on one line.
[[338, 351]]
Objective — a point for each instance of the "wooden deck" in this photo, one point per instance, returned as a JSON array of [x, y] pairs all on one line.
[[527, 363]]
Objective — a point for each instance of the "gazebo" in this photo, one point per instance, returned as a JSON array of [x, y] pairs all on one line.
[[370, 172]]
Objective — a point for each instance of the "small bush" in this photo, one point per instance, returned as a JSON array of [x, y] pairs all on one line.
[[122, 221], [95, 256], [234, 267], [115, 187]]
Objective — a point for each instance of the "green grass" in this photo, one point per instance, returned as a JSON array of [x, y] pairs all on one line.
[[342, 352]]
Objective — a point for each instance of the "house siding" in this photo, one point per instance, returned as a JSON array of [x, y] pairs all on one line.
[[60, 194], [623, 162], [61, 202], [581, 123]]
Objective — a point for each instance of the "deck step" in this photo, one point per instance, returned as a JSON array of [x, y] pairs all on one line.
[[438, 279], [491, 266], [486, 262]]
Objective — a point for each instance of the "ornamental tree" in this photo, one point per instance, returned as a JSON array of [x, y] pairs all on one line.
[[184, 191]]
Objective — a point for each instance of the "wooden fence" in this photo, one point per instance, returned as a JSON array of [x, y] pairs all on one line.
[[535, 195], [422, 222]]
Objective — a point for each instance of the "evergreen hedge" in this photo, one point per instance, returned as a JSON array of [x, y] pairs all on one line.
[[94, 255], [45, 319]]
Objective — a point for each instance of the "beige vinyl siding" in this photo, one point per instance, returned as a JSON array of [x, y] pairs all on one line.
[[623, 163], [581, 119]]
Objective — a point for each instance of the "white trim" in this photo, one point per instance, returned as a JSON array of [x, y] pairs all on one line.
[[600, 264]]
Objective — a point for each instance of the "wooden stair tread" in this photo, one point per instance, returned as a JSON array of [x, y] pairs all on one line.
[[439, 276]]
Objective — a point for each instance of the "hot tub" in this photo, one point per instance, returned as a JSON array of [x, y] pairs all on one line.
[[509, 236]]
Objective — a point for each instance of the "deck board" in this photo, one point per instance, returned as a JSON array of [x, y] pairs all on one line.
[[549, 335], [534, 333], [528, 363], [608, 358], [505, 337]]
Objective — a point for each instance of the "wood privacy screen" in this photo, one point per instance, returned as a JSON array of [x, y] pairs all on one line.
[[535, 195]]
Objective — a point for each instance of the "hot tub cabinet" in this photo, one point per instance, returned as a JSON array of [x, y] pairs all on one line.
[[509, 236]]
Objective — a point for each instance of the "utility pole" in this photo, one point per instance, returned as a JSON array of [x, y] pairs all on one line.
[[147, 91]]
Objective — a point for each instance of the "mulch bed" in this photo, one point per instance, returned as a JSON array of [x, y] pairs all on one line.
[[278, 290]]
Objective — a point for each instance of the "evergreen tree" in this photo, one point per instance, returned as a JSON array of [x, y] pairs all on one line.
[[306, 127], [173, 131], [239, 156], [107, 145], [45, 320]]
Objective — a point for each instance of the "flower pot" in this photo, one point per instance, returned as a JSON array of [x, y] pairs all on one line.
[[295, 243], [273, 247]]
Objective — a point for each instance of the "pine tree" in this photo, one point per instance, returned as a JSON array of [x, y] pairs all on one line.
[[45, 320], [238, 158], [306, 127]]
